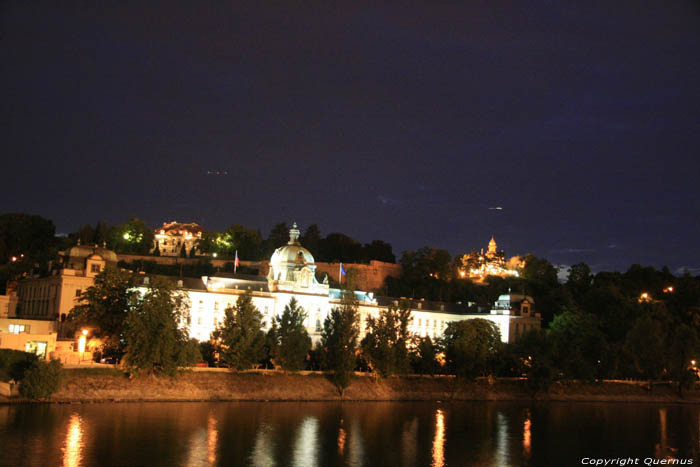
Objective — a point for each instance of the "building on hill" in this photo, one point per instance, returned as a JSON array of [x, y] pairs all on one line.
[[477, 266], [292, 275], [171, 236]]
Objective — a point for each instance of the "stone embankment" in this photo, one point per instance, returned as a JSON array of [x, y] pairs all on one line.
[[97, 385]]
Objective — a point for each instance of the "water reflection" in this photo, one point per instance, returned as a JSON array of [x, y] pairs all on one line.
[[212, 439], [439, 440], [306, 446], [401, 434], [341, 439], [527, 435], [203, 444], [502, 440], [72, 452], [264, 450], [408, 442], [356, 450]]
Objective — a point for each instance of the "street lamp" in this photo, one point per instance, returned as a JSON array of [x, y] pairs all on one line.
[[81, 343]]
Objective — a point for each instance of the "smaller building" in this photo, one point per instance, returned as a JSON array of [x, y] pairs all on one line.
[[479, 265], [28, 335], [171, 236], [53, 296], [515, 315]]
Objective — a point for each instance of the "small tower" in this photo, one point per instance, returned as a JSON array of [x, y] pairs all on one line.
[[492, 247], [294, 235]]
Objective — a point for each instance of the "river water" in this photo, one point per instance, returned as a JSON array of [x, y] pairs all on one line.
[[363, 433]]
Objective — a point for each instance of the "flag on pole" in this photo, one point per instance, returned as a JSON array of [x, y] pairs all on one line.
[[235, 263], [341, 273]]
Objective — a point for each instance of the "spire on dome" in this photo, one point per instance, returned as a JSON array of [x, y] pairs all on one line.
[[294, 235]]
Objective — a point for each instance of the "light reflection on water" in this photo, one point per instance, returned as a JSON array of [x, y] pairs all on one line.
[[307, 444], [320, 434], [527, 434], [264, 449], [356, 446], [439, 440], [72, 455]]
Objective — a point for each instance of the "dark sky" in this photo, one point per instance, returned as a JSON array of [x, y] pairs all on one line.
[[404, 122]]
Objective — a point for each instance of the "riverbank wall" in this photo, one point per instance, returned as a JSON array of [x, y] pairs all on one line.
[[101, 385]]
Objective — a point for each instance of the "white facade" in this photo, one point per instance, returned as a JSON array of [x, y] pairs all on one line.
[[292, 275]]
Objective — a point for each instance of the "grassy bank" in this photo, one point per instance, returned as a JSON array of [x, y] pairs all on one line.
[[91, 385]]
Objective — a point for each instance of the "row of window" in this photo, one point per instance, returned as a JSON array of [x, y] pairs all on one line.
[[18, 328]]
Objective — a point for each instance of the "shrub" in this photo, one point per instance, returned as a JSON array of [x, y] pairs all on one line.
[[14, 363], [42, 379]]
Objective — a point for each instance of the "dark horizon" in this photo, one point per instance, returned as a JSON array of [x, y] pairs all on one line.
[[409, 123]]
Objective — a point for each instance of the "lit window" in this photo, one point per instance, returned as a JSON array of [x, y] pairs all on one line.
[[17, 328], [199, 320], [95, 268], [216, 306]]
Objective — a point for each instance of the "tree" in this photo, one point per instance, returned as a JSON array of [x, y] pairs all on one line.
[[133, 236], [378, 250], [156, 330], [290, 342], [242, 341], [25, 241], [645, 345], [279, 235], [579, 280], [312, 239], [471, 347], [424, 356], [339, 247], [42, 379], [183, 251], [103, 308], [578, 346], [339, 341], [385, 345]]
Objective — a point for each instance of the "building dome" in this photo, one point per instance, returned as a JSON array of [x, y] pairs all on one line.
[[292, 252], [290, 258], [82, 252]]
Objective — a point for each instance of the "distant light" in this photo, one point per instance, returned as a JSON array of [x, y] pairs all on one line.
[[692, 362], [668, 289], [85, 332], [126, 236], [14, 258], [214, 255]]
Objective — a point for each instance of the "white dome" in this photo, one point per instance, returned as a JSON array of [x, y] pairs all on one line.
[[290, 258]]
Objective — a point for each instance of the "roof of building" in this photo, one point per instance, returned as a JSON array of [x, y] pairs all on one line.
[[175, 228], [429, 305], [85, 251], [190, 283]]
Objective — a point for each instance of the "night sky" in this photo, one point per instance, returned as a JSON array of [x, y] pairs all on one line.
[[404, 122]]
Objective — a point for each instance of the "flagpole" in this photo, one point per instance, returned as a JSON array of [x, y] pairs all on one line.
[[340, 274]]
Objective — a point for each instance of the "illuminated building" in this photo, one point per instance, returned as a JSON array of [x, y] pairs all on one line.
[[52, 297], [479, 265], [292, 274], [170, 238], [43, 303]]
